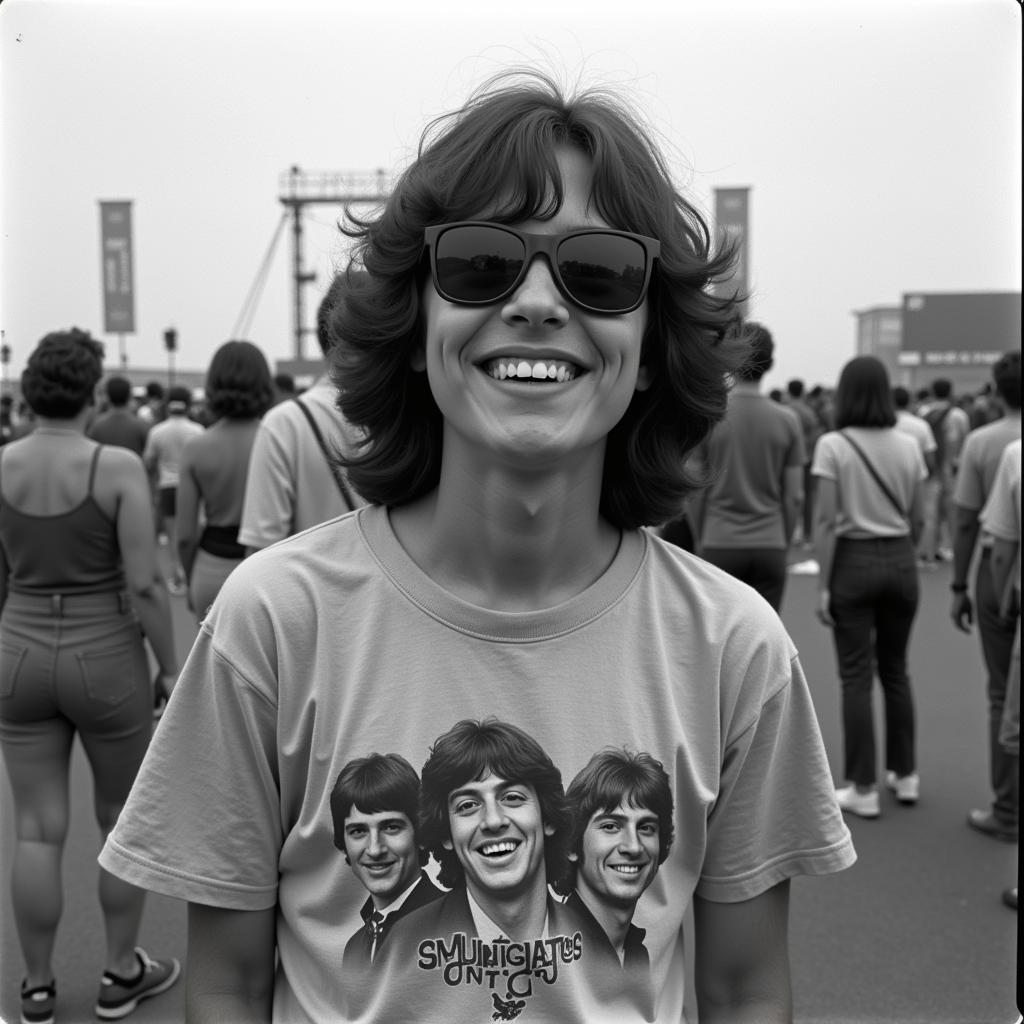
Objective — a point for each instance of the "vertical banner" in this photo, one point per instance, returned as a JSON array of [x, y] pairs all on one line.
[[116, 265], [732, 206]]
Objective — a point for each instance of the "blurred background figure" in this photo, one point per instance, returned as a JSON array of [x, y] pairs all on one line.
[[214, 468], [1001, 519], [812, 429], [164, 444], [78, 577], [294, 482], [119, 424], [950, 426], [6, 419], [867, 520], [152, 408], [284, 387], [917, 427], [744, 520], [979, 460]]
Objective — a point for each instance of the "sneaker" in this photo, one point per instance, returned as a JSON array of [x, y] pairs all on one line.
[[987, 823], [38, 1004], [119, 996], [176, 586], [864, 805], [906, 787]]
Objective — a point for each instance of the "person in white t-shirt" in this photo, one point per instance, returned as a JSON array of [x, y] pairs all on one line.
[[869, 515], [917, 427], [534, 353]]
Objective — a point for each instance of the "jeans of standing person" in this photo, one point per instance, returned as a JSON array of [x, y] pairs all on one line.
[[764, 569], [997, 632], [873, 599]]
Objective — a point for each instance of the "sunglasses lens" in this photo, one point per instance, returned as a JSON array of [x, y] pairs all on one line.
[[602, 271], [477, 263]]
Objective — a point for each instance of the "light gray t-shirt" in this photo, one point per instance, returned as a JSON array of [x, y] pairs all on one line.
[[290, 486], [334, 644], [862, 509]]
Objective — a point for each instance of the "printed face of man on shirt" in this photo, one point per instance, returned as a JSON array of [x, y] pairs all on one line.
[[618, 855], [382, 850], [498, 833]]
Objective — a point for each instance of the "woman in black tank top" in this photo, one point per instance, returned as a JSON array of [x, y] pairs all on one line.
[[79, 587]]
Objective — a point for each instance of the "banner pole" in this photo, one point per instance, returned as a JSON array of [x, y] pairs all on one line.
[[124, 352]]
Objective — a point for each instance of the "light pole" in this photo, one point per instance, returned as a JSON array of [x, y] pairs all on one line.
[[171, 344]]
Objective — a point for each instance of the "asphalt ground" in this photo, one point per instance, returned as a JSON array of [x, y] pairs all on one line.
[[913, 933]]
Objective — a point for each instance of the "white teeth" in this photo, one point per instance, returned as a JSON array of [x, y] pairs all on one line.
[[627, 869], [496, 848], [523, 369]]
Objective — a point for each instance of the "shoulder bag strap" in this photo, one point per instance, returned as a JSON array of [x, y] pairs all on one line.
[[878, 480], [332, 465]]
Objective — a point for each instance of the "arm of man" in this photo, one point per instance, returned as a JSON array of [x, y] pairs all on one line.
[[965, 536], [230, 977], [825, 494], [3, 577], [792, 499], [741, 959]]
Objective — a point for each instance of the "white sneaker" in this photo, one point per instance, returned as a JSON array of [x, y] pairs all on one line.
[[906, 787], [864, 805]]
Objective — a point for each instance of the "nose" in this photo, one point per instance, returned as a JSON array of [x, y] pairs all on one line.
[[375, 846], [537, 300], [494, 816], [629, 842]]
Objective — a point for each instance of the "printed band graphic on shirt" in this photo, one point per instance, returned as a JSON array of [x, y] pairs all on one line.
[[488, 877]]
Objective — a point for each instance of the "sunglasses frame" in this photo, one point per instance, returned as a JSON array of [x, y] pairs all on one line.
[[546, 245]]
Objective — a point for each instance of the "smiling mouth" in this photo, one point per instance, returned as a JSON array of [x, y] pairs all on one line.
[[498, 849], [541, 371], [626, 869], [379, 868]]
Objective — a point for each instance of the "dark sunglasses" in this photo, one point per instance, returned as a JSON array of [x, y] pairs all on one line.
[[474, 263]]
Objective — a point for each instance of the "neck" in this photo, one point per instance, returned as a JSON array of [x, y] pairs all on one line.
[[614, 918], [747, 387], [49, 425], [507, 541], [520, 916]]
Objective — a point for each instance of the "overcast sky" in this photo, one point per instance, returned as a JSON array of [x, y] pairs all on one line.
[[881, 140]]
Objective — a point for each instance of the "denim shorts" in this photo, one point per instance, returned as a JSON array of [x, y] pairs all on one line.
[[80, 658]]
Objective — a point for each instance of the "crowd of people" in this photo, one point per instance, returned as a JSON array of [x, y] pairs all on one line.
[[538, 472]]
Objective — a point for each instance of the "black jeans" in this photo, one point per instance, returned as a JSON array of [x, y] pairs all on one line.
[[873, 599], [997, 633], [764, 569]]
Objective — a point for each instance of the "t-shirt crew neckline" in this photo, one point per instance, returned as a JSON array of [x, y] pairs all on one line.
[[543, 624]]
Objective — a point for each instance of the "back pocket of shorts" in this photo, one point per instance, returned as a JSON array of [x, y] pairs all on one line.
[[11, 660], [110, 675]]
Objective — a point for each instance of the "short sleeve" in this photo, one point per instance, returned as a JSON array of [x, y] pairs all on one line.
[[203, 820], [776, 814], [970, 487], [1001, 514], [269, 504], [824, 463]]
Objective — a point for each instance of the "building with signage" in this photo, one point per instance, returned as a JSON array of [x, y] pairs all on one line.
[[957, 335]]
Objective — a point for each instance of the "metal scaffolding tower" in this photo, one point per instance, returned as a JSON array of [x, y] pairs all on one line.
[[298, 188]]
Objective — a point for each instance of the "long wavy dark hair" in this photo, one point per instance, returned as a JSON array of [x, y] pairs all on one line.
[[502, 146]]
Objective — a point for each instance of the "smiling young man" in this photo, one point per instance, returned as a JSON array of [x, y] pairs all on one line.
[[500, 572], [374, 807], [621, 806]]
